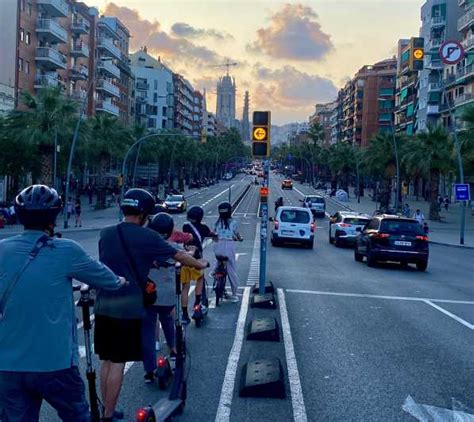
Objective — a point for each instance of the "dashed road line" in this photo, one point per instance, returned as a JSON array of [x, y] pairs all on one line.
[[449, 314]]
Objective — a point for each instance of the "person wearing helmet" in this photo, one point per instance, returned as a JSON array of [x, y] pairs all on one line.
[[163, 275], [227, 232], [129, 249], [199, 231], [38, 333]]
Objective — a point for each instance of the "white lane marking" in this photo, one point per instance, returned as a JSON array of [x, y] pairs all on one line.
[[409, 298], [449, 314], [424, 412], [226, 190], [227, 392], [297, 190], [238, 255], [297, 400], [254, 272]]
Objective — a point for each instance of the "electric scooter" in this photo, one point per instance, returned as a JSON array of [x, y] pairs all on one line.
[[200, 312], [175, 402], [85, 303]]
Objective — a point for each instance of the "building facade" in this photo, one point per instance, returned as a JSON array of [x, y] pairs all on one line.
[[245, 133], [198, 114], [183, 104], [154, 94], [211, 124], [323, 116], [439, 22], [225, 106]]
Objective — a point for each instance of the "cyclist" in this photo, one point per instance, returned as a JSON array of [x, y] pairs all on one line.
[[131, 250], [226, 230], [163, 275], [278, 203], [38, 335], [199, 231]]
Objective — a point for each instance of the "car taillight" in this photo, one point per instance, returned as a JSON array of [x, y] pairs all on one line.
[[344, 225], [382, 235], [423, 238], [277, 223], [313, 226]]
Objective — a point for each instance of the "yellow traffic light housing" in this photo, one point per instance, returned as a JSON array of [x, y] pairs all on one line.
[[417, 54], [261, 133]]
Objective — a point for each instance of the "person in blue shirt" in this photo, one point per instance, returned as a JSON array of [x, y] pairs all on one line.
[[38, 332]]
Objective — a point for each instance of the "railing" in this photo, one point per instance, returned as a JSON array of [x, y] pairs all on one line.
[[52, 26], [81, 49], [466, 20], [142, 86], [438, 20], [109, 67], [52, 54], [109, 87], [468, 42], [108, 107], [464, 98], [46, 80], [108, 44], [80, 72], [80, 25], [434, 86], [435, 44], [59, 5]]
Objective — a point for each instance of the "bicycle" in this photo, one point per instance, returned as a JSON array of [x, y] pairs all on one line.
[[220, 278]]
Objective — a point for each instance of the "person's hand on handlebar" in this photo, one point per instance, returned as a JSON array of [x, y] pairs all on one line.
[[123, 281]]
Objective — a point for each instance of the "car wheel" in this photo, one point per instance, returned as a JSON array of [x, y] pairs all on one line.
[[337, 242], [358, 256], [370, 260], [421, 265], [274, 242], [331, 240]]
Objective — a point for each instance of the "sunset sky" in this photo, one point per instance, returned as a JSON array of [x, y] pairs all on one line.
[[291, 54]]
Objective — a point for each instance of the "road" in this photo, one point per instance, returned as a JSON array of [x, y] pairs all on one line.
[[358, 343]]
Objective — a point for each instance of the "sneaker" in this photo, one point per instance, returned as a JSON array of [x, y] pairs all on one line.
[[149, 378], [157, 346], [185, 319], [118, 414], [234, 298]]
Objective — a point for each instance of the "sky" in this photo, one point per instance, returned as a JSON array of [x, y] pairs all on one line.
[[291, 55]]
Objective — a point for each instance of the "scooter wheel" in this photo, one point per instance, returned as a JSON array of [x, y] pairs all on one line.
[[198, 322], [162, 383]]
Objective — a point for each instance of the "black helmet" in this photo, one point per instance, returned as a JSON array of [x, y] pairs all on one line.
[[225, 209], [138, 201], [37, 206], [163, 224], [195, 214]]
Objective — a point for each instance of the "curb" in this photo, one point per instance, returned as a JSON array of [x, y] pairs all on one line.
[[450, 245]]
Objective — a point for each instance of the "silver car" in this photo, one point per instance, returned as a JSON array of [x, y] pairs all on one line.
[[343, 227], [316, 203]]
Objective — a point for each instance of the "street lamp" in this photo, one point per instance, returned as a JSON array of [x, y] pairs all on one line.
[[397, 162]]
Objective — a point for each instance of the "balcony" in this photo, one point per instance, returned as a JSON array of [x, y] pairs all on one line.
[[434, 65], [80, 26], [432, 109], [107, 67], [435, 44], [42, 81], [108, 88], [50, 58], [78, 73], [142, 86], [107, 107], [51, 31], [463, 99], [105, 28], [54, 8], [79, 95], [468, 43], [434, 86], [466, 20], [438, 21], [465, 72], [80, 50], [107, 45]]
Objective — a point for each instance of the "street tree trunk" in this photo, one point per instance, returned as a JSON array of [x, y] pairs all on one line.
[[434, 193], [46, 172]]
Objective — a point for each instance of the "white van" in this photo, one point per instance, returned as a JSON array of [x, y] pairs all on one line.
[[293, 225]]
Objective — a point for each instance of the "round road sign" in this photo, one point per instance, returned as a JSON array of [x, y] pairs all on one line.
[[451, 52]]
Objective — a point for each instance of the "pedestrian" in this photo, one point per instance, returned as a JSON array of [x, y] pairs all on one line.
[[69, 208], [440, 202], [131, 250], [426, 229], [78, 211], [419, 216], [406, 211], [38, 336], [446, 202]]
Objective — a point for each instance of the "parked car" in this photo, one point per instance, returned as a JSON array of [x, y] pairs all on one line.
[[228, 176], [392, 238], [287, 184], [315, 203], [195, 184], [295, 225], [175, 203], [343, 227]]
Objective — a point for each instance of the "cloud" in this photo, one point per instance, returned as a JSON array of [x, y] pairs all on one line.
[[290, 88], [184, 30], [294, 33], [177, 51]]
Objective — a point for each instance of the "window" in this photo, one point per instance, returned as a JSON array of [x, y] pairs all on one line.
[[28, 38], [385, 117], [151, 123], [22, 5], [156, 84], [29, 8], [373, 225], [22, 34], [386, 92], [20, 64], [27, 67], [163, 111], [294, 216], [155, 97]]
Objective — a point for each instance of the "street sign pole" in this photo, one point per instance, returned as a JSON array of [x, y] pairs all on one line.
[[263, 227]]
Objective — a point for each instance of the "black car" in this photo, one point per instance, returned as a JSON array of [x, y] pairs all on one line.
[[392, 238]]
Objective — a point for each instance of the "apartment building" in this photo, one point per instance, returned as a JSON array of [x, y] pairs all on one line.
[[439, 22], [322, 116], [336, 119], [406, 100], [153, 91], [198, 114], [211, 124], [183, 104], [368, 102]]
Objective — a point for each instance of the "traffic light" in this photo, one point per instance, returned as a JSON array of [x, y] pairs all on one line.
[[261, 124], [417, 53]]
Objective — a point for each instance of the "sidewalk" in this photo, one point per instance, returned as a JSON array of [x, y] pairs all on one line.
[[444, 232], [92, 219]]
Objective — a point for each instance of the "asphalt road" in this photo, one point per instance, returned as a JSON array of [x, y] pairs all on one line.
[[366, 341]]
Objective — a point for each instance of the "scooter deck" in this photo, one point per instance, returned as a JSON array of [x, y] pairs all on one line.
[[166, 408]]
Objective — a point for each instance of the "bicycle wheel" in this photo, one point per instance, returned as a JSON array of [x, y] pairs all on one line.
[[218, 289]]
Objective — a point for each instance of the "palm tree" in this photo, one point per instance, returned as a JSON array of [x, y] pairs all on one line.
[[341, 162], [430, 154], [48, 113], [467, 140]]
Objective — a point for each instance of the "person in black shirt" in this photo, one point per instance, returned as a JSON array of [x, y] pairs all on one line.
[[199, 231], [128, 249]]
